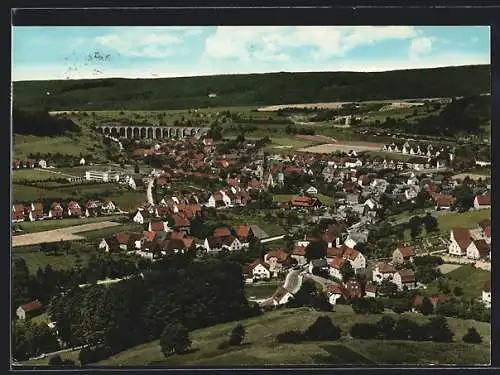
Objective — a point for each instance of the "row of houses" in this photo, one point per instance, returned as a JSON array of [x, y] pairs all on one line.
[[417, 149], [35, 211]]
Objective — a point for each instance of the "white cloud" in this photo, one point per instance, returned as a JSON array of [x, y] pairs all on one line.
[[275, 41], [149, 42], [420, 46]]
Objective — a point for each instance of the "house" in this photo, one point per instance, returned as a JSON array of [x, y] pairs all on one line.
[[82, 161], [56, 211], [74, 209], [459, 241], [334, 292], [478, 249], [217, 244], [383, 271], [277, 261], [222, 232], [312, 190], [157, 226], [486, 297], [403, 255], [299, 254], [18, 213], [181, 222], [370, 290], [357, 260], [42, 164], [109, 244], [124, 238], [29, 310], [93, 208], [482, 201], [335, 266], [257, 270], [485, 230], [108, 207], [35, 211], [141, 216], [305, 202], [244, 233], [282, 296], [405, 278], [444, 202]]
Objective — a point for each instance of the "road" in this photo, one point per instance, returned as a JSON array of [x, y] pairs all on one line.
[[44, 355], [293, 281]]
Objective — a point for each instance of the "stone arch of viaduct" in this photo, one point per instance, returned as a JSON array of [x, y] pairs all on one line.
[[151, 132]]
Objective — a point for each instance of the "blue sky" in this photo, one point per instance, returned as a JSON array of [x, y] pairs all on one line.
[[41, 53]]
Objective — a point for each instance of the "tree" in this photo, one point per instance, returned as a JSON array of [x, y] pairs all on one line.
[[427, 307], [387, 288], [292, 337], [237, 335], [472, 336], [136, 168], [323, 330], [346, 271], [316, 250], [430, 223], [438, 330], [464, 198], [367, 306], [415, 226], [385, 327], [363, 331], [174, 339]]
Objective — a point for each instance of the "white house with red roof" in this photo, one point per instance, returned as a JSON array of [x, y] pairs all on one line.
[[257, 270], [29, 309], [478, 249], [482, 201], [383, 271], [405, 278], [74, 209], [402, 255], [334, 292], [299, 254], [460, 240], [370, 290]]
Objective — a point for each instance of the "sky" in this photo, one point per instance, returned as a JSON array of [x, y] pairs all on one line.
[[45, 53]]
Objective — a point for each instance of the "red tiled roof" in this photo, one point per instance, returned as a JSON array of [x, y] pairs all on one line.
[[299, 250], [122, 238], [337, 262], [462, 237], [371, 288], [335, 289], [482, 247], [332, 252], [180, 221], [32, 306], [149, 236], [484, 200], [487, 232], [302, 201], [280, 254], [19, 208], [406, 252], [407, 276], [243, 231], [157, 226], [222, 232], [350, 254], [385, 268], [444, 200]]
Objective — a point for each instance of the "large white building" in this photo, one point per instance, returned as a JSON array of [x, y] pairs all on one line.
[[105, 176]]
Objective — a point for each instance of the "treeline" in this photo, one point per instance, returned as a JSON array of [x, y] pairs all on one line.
[[465, 115], [177, 289], [41, 123], [253, 89]]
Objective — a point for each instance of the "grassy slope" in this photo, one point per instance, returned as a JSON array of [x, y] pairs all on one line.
[[253, 89], [262, 348], [469, 278], [40, 226], [462, 220]]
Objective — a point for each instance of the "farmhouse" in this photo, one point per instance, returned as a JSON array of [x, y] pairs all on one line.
[[56, 211], [29, 310], [478, 249], [299, 254], [383, 271], [141, 216], [74, 209], [459, 241], [257, 270], [482, 201], [277, 261], [35, 211], [334, 292], [17, 213], [405, 278], [403, 255]]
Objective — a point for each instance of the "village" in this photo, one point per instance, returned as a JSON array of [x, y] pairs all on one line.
[[333, 203]]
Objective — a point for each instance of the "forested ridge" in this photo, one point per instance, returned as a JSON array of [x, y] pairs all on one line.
[[252, 89]]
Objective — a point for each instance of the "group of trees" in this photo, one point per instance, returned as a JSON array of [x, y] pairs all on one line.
[[177, 289], [429, 222], [388, 328], [465, 115], [32, 339], [311, 296], [367, 306], [292, 129], [321, 330], [41, 123]]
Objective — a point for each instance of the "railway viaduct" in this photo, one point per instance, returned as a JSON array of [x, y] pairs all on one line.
[[150, 131]]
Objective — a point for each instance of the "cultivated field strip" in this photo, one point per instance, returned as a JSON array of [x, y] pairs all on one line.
[[62, 234]]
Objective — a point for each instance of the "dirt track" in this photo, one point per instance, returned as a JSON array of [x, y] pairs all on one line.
[[345, 147], [64, 234]]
